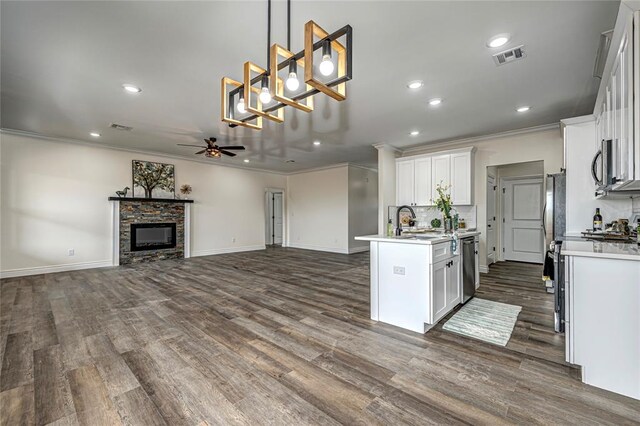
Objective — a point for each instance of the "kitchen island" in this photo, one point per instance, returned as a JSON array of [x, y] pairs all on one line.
[[602, 313], [416, 279]]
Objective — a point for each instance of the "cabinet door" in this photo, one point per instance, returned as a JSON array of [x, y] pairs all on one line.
[[461, 178], [405, 182], [453, 283], [441, 171], [439, 290], [423, 181]]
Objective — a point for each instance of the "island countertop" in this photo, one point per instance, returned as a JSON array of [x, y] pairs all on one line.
[[601, 249], [426, 238]]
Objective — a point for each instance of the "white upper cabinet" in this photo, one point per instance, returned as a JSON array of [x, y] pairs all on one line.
[[405, 182], [417, 177], [423, 186], [617, 109], [461, 170]]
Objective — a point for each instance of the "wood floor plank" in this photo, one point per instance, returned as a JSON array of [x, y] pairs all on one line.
[[17, 406], [53, 399], [136, 409], [17, 363], [91, 398]]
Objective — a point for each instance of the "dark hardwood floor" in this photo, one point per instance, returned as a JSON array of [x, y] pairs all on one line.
[[280, 336]]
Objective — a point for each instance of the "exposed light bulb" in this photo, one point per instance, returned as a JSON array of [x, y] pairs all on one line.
[[265, 96], [240, 106], [326, 66], [292, 81]]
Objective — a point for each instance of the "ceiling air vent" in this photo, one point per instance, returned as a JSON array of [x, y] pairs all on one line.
[[120, 127], [509, 55]]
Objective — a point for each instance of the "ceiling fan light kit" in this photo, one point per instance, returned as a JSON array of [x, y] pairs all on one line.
[[244, 104]]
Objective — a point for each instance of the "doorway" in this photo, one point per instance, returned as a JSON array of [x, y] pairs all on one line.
[[523, 233], [274, 217]]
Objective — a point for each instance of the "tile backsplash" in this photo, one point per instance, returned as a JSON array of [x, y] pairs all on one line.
[[424, 215]]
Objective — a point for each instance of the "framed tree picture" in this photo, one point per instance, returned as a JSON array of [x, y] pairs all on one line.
[[153, 180]]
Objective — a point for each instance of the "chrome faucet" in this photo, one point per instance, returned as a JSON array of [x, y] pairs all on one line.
[[399, 226]]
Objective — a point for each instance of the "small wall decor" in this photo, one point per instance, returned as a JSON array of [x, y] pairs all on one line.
[[153, 180], [186, 190], [123, 193]]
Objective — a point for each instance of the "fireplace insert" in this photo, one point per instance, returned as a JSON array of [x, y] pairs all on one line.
[[152, 236]]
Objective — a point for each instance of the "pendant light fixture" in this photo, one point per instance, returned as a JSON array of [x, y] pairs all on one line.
[[253, 102]]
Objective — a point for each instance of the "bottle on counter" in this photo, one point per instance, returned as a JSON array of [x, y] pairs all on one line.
[[597, 221], [390, 229]]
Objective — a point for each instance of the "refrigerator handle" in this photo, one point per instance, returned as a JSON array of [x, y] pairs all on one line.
[[544, 218]]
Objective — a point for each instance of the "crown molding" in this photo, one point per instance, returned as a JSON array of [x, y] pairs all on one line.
[[71, 141], [329, 167], [381, 146], [455, 143]]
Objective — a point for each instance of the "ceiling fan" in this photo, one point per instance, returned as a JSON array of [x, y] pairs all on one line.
[[215, 151]]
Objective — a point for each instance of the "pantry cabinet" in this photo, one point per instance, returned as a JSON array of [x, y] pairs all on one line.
[[417, 177]]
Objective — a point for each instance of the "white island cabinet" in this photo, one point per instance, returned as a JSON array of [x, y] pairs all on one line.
[[415, 282], [602, 313]]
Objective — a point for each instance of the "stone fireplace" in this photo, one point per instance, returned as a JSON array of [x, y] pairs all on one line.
[[147, 229]]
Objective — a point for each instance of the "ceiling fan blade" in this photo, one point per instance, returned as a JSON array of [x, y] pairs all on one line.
[[238, 147], [230, 154], [197, 146], [200, 152]]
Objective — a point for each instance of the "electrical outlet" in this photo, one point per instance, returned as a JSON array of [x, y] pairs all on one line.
[[72, 252], [398, 270], [233, 240]]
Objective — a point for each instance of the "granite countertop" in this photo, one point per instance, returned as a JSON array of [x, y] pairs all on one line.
[[408, 238], [601, 249]]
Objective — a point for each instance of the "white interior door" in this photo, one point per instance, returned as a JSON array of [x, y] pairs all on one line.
[[491, 220], [277, 218], [523, 236]]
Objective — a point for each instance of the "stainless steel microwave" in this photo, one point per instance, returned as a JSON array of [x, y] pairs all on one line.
[[602, 166]]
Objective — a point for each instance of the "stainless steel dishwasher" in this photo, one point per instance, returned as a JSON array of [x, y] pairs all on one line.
[[468, 268]]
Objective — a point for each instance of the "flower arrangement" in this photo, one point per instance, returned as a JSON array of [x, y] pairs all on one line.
[[443, 202], [185, 189]]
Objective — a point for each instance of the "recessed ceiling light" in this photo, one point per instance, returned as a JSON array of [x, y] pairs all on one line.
[[415, 133], [316, 143], [95, 134], [131, 88], [416, 84], [246, 160], [435, 101], [523, 109], [498, 40]]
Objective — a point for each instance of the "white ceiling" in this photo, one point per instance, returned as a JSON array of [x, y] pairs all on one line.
[[63, 64]]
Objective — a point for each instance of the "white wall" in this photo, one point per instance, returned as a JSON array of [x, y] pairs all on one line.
[[363, 206], [318, 210], [543, 145], [54, 198]]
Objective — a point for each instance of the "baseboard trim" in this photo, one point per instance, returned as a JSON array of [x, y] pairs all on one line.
[[319, 248], [484, 269], [226, 250], [358, 249], [38, 270]]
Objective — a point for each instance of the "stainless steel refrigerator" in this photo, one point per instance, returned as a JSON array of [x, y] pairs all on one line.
[[554, 221], [555, 226]]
